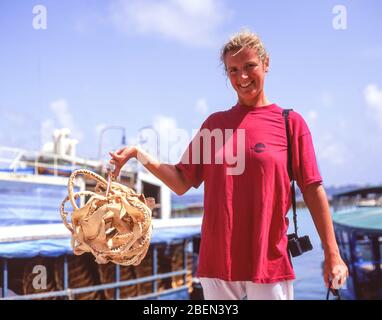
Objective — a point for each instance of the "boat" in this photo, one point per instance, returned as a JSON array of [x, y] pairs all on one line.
[[36, 256], [357, 219]]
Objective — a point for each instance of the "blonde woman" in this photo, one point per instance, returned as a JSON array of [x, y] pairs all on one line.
[[243, 251]]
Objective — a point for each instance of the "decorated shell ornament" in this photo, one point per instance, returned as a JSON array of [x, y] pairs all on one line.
[[114, 224]]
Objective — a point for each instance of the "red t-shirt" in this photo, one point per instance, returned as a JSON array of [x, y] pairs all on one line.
[[244, 228]]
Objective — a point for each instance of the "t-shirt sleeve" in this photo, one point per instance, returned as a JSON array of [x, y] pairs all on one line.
[[305, 167], [191, 163]]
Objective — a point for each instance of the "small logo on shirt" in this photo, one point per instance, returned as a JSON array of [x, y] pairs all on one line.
[[259, 147]]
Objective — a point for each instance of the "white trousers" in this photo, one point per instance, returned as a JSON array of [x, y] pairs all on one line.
[[217, 289]]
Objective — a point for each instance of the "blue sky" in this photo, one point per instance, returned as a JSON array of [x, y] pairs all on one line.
[[156, 63]]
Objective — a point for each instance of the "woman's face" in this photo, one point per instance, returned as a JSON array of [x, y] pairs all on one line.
[[246, 73]]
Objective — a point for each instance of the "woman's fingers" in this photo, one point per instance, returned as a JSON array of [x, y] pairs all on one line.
[[119, 158], [339, 275], [116, 171], [114, 155], [116, 160], [326, 279], [120, 151]]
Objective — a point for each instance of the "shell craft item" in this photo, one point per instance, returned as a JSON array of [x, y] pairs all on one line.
[[114, 224]]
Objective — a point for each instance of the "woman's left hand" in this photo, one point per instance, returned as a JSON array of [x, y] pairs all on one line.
[[335, 270]]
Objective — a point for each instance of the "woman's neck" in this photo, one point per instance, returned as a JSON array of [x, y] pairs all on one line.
[[259, 102]]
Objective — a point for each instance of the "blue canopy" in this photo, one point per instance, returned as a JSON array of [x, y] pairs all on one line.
[[58, 247]]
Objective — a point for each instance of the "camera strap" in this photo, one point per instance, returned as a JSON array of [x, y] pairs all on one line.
[[335, 292], [290, 170]]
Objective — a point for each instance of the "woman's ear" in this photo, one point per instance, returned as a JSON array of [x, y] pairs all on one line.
[[266, 64]]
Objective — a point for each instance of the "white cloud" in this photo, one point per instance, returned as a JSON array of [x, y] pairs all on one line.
[[312, 115], [330, 150], [166, 128], [164, 125], [373, 97], [201, 106], [191, 22], [64, 118], [164, 139], [327, 99]]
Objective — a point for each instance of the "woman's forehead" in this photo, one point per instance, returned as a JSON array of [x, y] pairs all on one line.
[[240, 55]]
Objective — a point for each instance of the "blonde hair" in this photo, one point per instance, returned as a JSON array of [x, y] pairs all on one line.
[[244, 39]]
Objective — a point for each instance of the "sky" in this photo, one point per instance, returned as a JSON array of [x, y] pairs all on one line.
[[138, 64]]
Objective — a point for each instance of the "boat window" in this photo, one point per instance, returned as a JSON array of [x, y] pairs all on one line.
[[151, 190], [363, 248], [344, 245]]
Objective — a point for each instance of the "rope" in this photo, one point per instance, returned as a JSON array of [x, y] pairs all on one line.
[[114, 224]]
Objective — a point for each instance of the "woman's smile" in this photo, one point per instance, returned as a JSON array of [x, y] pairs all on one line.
[[246, 85]]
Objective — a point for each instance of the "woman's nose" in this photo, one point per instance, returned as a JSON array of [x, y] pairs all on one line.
[[244, 75]]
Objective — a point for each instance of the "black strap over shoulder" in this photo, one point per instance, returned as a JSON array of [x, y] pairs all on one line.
[[290, 166], [286, 118]]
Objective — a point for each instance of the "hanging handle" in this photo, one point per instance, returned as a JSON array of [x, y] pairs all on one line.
[[85, 173], [110, 176]]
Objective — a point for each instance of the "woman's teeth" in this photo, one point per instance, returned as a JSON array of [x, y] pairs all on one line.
[[246, 85]]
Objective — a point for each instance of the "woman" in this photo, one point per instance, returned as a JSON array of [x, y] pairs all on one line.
[[243, 250]]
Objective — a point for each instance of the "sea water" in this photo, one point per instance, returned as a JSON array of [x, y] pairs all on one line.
[[309, 283]]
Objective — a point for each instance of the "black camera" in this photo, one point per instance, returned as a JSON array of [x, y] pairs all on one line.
[[298, 245]]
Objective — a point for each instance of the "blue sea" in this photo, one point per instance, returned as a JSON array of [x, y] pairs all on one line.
[[309, 283]]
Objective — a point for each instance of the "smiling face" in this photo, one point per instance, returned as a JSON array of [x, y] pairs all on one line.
[[247, 73]]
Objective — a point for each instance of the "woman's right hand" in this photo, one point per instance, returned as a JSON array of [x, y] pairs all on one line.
[[121, 156]]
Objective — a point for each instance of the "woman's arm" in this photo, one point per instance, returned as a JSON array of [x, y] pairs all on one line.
[[317, 203], [165, 172]]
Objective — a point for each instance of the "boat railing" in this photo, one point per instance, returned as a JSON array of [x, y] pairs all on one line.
[[17, 160], [69, 293]]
